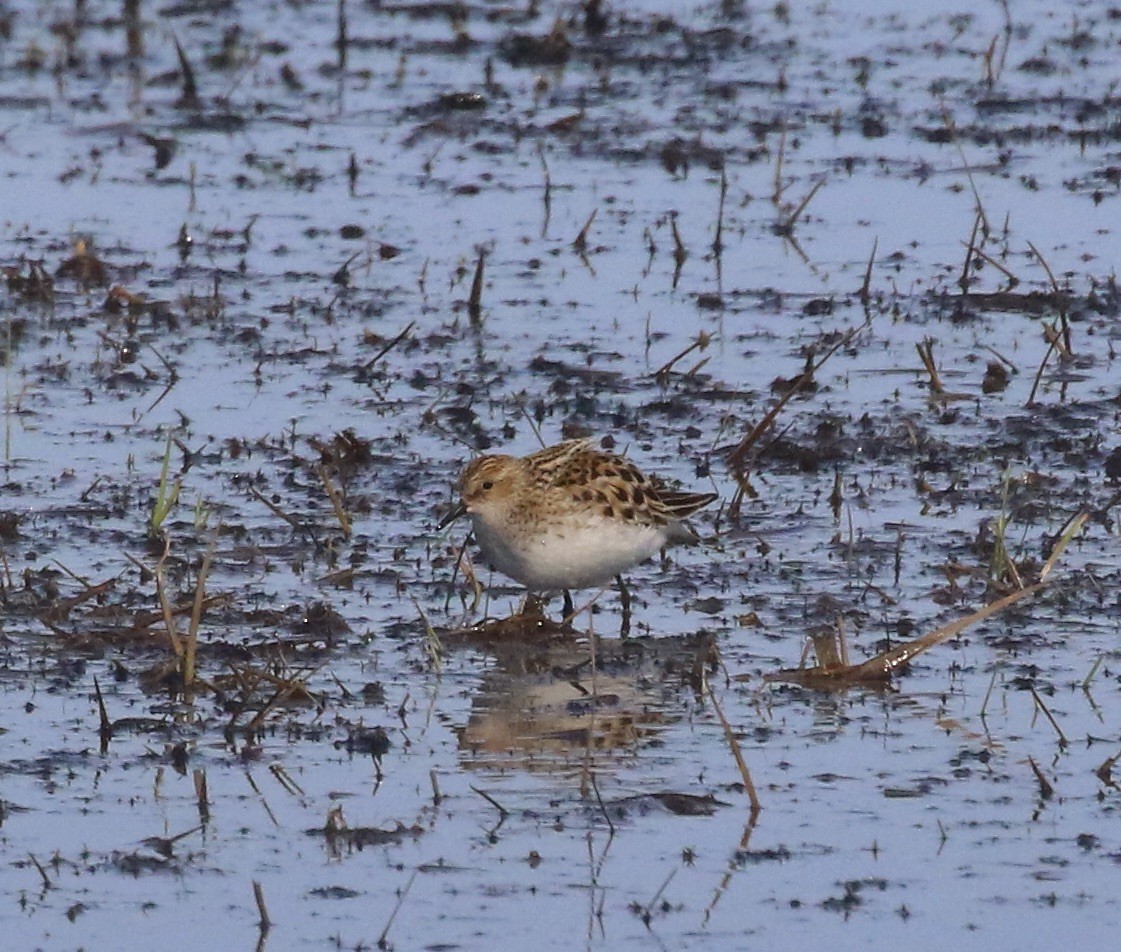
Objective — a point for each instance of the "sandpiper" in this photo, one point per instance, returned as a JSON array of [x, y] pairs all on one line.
[[571, 516]]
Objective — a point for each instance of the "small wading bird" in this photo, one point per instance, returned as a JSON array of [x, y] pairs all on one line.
[[571, 516]]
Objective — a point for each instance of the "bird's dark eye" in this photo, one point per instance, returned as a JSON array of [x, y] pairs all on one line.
[[488, 485]]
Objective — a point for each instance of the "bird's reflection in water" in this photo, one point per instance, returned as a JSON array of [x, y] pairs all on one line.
[[542, 706]]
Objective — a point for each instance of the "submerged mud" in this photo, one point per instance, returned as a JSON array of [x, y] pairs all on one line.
[[273, 272]]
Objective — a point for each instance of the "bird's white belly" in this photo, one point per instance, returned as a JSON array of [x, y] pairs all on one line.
[[582, 556]]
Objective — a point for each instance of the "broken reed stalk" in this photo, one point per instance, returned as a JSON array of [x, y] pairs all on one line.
[[475, 300], [264, 923], [336, 500], [737, 753], [383, 939]]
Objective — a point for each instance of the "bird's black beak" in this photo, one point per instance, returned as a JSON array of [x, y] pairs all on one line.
[[458, 511]]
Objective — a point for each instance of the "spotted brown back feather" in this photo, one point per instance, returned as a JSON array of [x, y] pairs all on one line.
[[611, 482]]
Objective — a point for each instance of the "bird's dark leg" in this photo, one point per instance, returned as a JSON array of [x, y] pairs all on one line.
[[568, 608], [625, 604]]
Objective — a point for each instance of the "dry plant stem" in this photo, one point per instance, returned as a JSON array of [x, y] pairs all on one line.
[[1069, 531], [926, 354], [190, 649], [383, 939], [276, 510], [336, 500], [285, 780], [432, 640], [190, 96], [1046, 791], [988, 693], [1052, 339], [389, 346], [738, 455], [865, 292], [105, 728], [165, 606], [47, 884], [1088, 680], [547, 191], [1063, 320], [737, 753], [1063, 742], [662, 373], [1039, 375], [658, 895], [502, 811], [970, 248], [263, 921], [602, 807], [718, 239], [952, 129], [475, 301], [1013, 281], [580, 242], [284, 691], [793, 217], [879, 668], [680, 253], [776, 194], [202, 795]]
